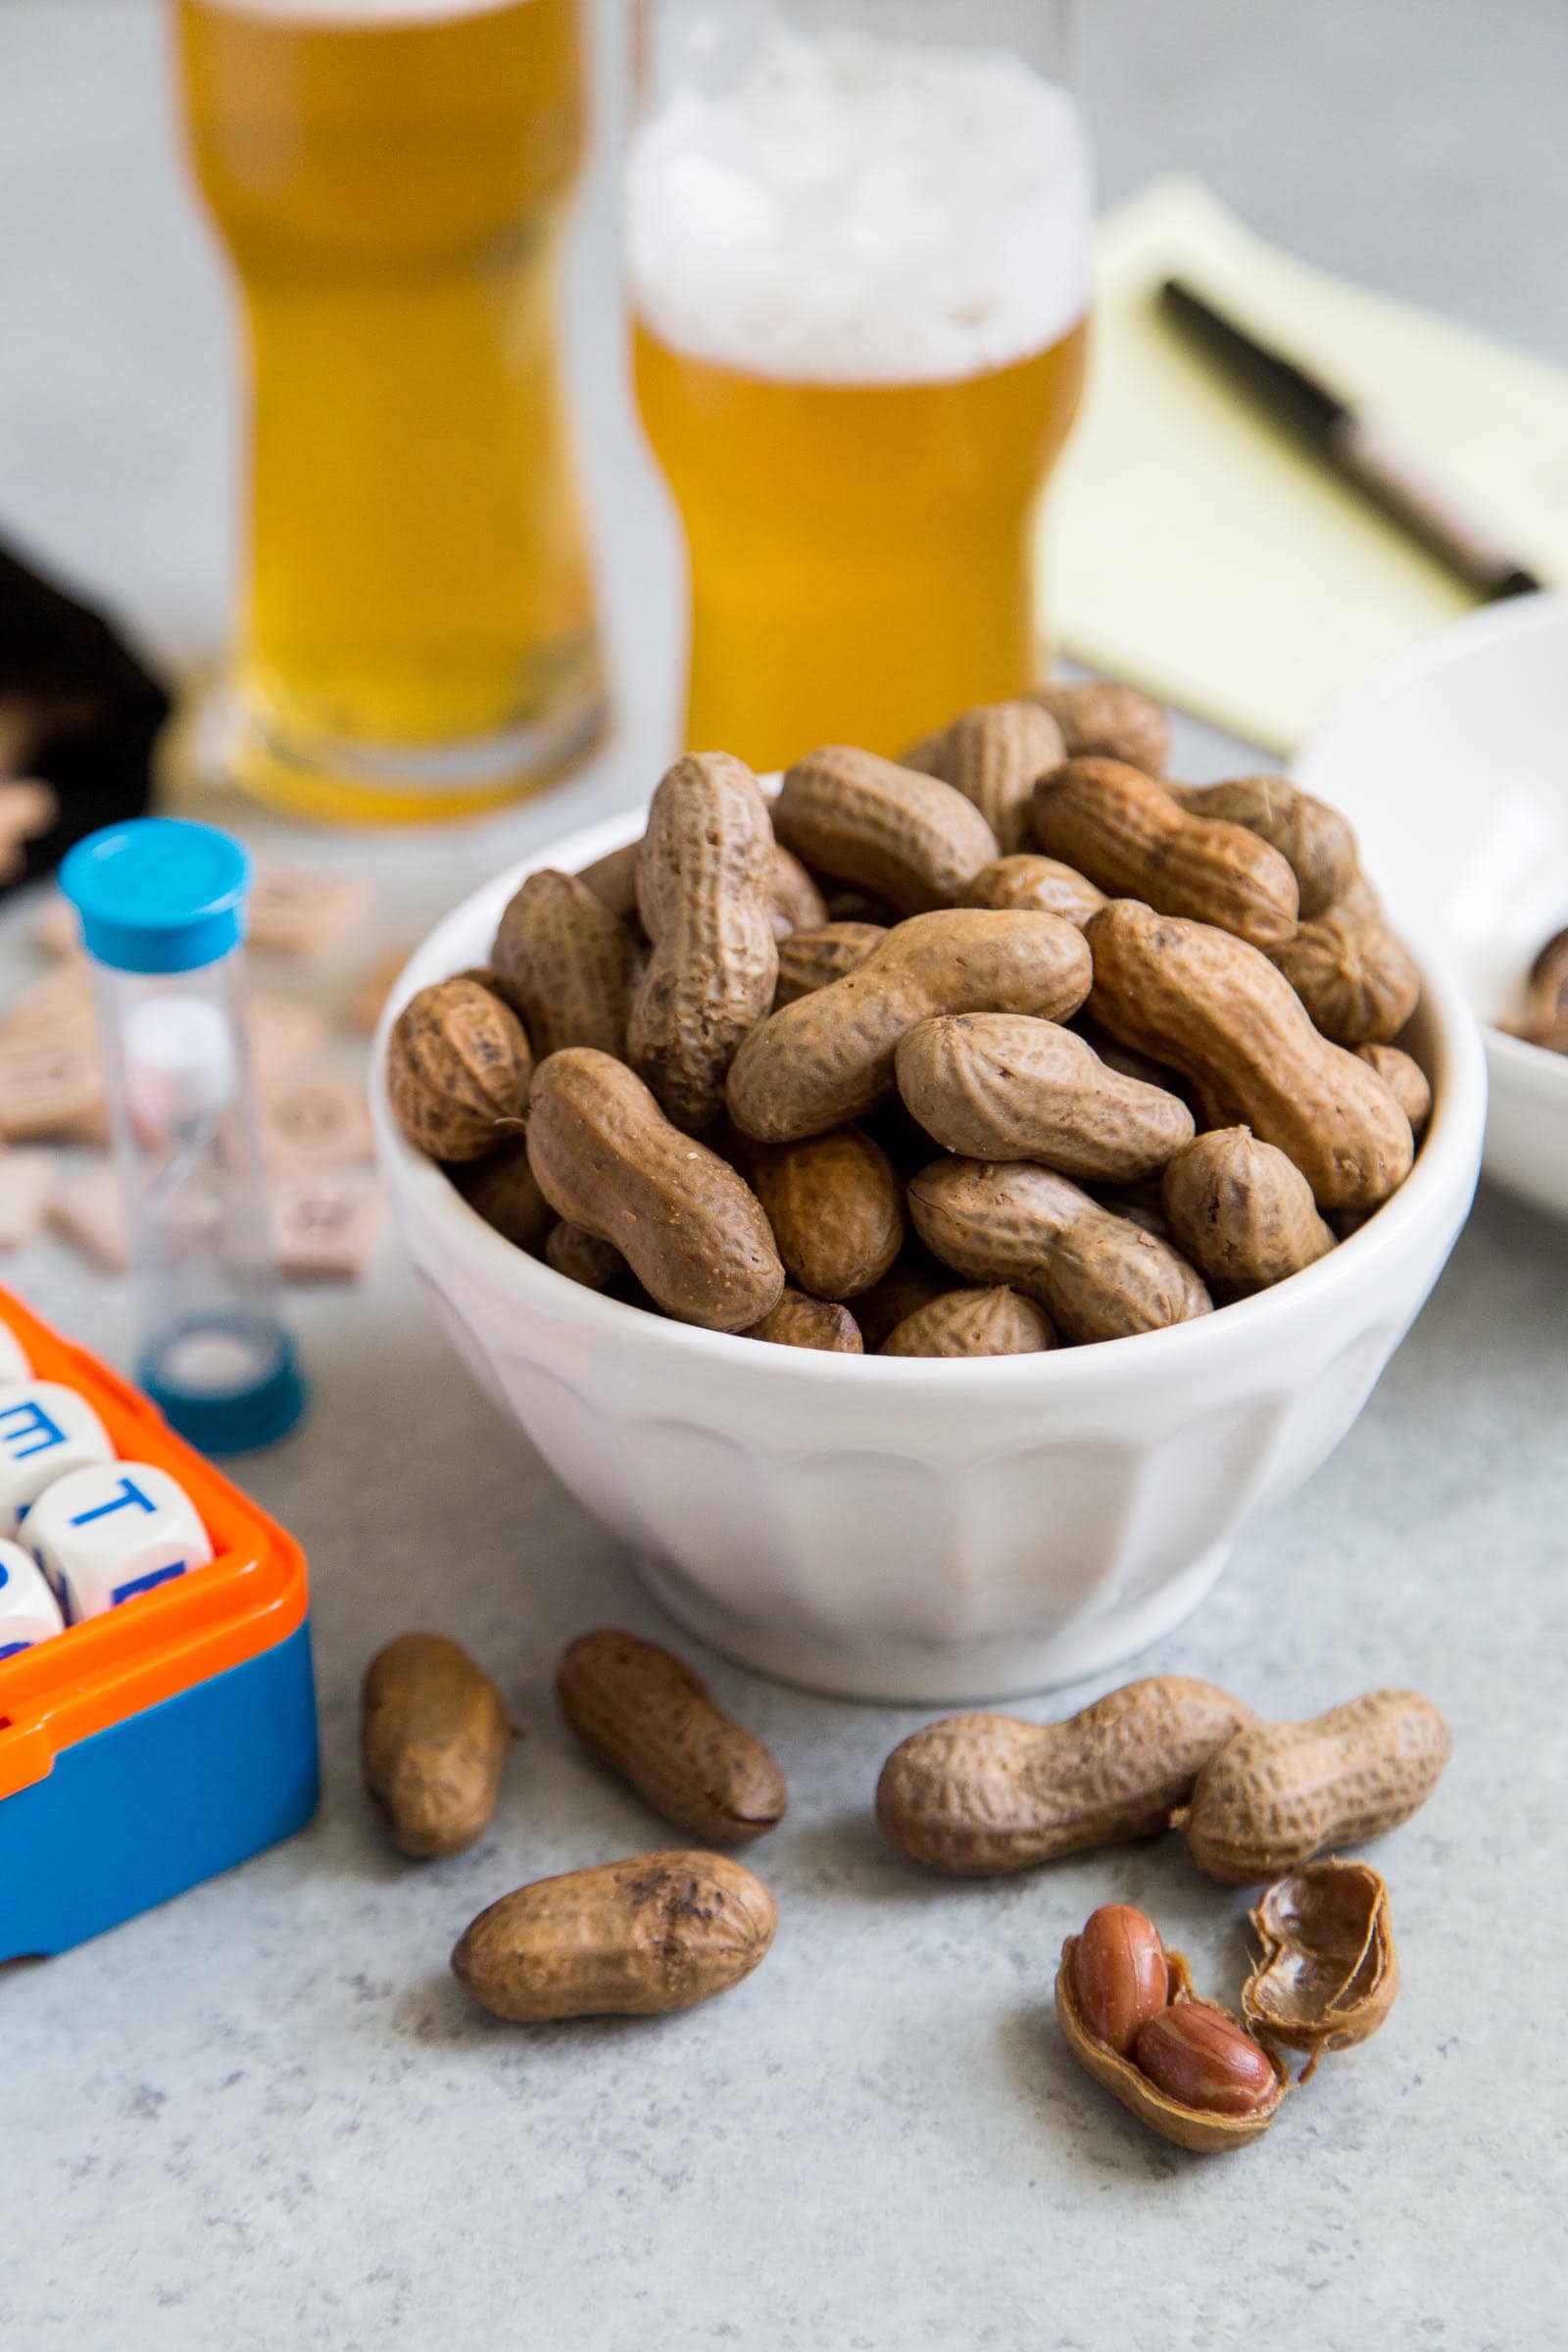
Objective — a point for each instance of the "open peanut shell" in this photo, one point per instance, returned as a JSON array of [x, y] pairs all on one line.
[[1328, 1971], [1187, 2127]]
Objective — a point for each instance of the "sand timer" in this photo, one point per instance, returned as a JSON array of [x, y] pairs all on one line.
[[162, 904]]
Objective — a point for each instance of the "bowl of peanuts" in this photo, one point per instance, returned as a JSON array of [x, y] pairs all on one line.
[[925, 1210]]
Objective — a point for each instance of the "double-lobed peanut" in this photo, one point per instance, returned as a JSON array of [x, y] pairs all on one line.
[[1218, 1012], [996, 1086], [1134, 840], [829, 1057], [909, 838], [565, 962], [459, 1068], [1278, 1793], [645, 1714], [1242, 1211], [992, 753], [1110, 1278], [643, 1938], [1405, 1080], [793, 899], [692, 1230], [995, 1221], [703, 881], [982, 1794], [433, 1738]]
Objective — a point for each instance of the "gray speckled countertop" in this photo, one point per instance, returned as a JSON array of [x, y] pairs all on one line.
[[264, 2116]]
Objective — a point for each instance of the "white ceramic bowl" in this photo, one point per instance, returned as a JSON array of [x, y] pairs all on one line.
[[1453, 767], [908, 1529]]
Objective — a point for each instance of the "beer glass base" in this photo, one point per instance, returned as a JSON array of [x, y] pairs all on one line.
[[335, 781]]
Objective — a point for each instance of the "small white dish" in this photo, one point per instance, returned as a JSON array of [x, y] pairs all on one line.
[[1453, 765], [911, 1530]]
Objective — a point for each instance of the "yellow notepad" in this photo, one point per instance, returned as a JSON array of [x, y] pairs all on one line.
[[1191, 547]]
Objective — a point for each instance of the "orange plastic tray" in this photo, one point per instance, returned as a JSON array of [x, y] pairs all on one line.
[[251, 1595]]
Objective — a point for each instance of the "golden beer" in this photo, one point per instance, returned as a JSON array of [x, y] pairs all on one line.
[[862, 554], [857, 263], [390, 178]]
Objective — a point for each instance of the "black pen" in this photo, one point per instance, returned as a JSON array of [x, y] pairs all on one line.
[[1348, 444]]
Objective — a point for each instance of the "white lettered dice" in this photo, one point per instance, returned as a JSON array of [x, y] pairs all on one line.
[[106, 1533], [45, 1430], [14, 1364], [28, 1610]]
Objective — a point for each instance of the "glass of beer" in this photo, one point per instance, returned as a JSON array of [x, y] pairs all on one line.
[[857, 240], [391, 178]]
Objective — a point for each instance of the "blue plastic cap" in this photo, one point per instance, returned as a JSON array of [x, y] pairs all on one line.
[[158, 894], [235, 1420]]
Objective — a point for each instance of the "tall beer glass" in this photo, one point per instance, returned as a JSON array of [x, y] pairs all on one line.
[[858, 247], [390, 178]]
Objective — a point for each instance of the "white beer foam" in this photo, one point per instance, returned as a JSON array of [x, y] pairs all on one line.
[[850, 211], [357, 13]]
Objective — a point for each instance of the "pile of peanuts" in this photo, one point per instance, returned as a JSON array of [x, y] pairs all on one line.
[[975, 1795], [1006, 1046]]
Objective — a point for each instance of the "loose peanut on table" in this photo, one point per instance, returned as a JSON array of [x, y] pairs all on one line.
[[635, 1939], [433, 1736], [1185, 2068], [1278, 1793], [649, 1718], [980, 1795], [1328, 1969]]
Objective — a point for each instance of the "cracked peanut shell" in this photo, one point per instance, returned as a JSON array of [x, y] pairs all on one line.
[[1200, 2130], [1328, 1969]]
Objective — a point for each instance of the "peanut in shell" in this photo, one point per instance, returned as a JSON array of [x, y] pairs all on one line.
[[972, 1322], [1220, 1013], [828, 1058], [994, 1086], [433, 1738], [702, 883], [1279, 1793], [836, 1208], [992, 753], [906, 837], [1316, 841], [1134, 838], [692, 1230], [565, 962], [642, 1937], [458, 1067], [809, 959], [799, 1321], [1242, 1211], [649, 1718], [1103, 721], [982, 1794], [1204, 2130], [1044, 884]]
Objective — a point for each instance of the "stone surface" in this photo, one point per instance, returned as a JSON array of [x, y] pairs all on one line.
[[264, 2115]]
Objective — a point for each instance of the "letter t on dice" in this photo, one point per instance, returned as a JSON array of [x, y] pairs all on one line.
[[106, 1534]]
